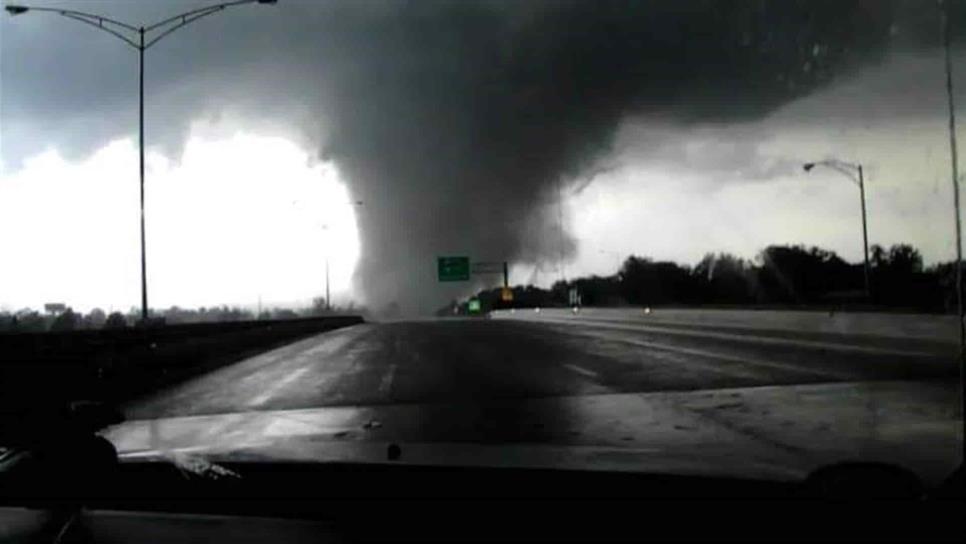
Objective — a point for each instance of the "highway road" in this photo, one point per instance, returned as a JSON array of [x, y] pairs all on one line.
[[788, 397], [523, 357]]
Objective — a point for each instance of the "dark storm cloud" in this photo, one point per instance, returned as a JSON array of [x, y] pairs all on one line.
[[732, 152], [455, 121]]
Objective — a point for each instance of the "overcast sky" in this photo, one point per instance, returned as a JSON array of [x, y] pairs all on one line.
[[664, 129]]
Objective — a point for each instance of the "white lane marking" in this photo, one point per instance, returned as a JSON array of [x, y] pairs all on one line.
[[747, 360], [581, 370], [709, 366], [243, 375], [386, 382], [271, 391], [835, 346], [723, 356]]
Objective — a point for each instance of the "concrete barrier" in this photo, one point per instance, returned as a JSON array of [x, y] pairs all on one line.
[[940, 328], [47, 369]]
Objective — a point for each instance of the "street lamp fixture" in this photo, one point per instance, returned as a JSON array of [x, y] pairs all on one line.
[[135, 37], [855, 174]]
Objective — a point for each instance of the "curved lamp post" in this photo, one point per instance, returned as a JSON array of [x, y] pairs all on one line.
[[140, 38], [854, 173]]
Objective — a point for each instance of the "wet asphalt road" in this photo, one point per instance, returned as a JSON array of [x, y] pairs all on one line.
[[476, 360]]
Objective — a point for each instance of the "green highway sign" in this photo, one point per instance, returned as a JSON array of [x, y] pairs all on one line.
[[453, 268]]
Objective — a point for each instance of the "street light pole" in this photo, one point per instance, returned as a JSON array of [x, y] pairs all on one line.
[[865, 236], [954, 164], [124, 32], [855, 173], [328, 300], [144, 262], [560, 233]]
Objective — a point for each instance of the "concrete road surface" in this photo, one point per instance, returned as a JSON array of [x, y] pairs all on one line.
[[460, 359], [776, 396]]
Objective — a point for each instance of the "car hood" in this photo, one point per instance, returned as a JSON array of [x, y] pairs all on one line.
[[779, 433]]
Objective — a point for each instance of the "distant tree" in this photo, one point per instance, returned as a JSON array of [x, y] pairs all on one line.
[[799, 274], [644, 281], [905, 259], [724, 278], [30, 321], [235, 314], [944, 275], [115, 320], [318, 306], [600, 291], [559, 293], [878, 256], [898, 278], [284, 313], [95, 319], [778, 275], [68, 320], [175, 314], [8, 322], [133, 315]]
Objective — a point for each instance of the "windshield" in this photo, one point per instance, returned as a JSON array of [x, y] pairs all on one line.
[[708, 231]]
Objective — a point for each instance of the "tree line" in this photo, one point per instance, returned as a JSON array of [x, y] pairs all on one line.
[[779, 275], [31, 320]]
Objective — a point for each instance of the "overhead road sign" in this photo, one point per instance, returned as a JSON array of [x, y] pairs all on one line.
[[453, 268]]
